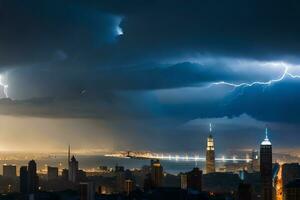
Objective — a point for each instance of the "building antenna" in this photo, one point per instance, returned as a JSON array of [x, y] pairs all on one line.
[[210, 129], [69, 153]]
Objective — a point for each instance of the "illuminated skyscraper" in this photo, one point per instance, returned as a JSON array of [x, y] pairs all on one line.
[[210, 153], [183, 181], [266, 168], [129, 184], [156, 173]]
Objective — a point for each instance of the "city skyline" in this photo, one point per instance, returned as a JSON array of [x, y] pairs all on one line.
[[91, 184]]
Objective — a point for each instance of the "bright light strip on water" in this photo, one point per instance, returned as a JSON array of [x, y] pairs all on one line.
[[197, 158], [182, 158], [267, 83]]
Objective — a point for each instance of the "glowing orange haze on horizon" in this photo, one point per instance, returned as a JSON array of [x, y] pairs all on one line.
[[32, 134]]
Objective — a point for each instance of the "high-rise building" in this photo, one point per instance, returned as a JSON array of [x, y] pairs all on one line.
[[129, 185], [23, 179], [290, 171], [52, 173], [87, 191], [120, 180], [183, 181], [33, 179], [156, 173], [244, 192], [73, 167], [266, 168], [65, 174], [147, 182], [9, 171], [81, 175], [119, 168], [255, 161], [210, 153], [194, 180], [292, 190]]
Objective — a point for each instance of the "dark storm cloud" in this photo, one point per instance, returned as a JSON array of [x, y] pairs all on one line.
[[72, 53], [162, 29], [278, 102], [42, 31], [153, 30], [28, 82]]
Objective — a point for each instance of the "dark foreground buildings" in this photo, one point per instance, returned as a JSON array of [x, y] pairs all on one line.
[[32, 177], [244, 192], [290, 172], [9, 171], [194, 180], [292, 190], [29, 180], [23, 179], [52, 173]]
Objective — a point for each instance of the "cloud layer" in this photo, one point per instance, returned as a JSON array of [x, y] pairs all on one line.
[[132, 62]]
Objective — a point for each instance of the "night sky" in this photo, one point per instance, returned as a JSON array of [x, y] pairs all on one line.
[[149, 75]]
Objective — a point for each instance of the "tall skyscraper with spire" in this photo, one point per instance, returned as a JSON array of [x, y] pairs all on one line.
[[210, 153], [266, 168], [73, 167]]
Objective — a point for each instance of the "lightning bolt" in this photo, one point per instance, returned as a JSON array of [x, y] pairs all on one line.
[[5, 87], [266, 83]]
